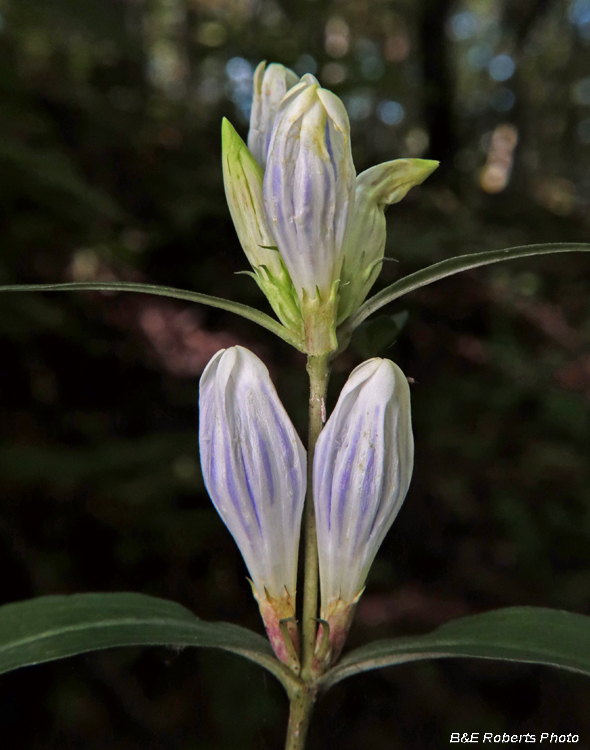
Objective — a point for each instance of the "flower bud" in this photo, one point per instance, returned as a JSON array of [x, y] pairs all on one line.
[[254, 468], [361, 473], [270, 86], [376, 188], [308, 195], [242, 177]]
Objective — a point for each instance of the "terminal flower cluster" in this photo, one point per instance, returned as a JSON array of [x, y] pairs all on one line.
[[312, 230], [314, 234]]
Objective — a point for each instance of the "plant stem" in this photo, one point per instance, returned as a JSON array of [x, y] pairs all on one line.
[[303, 697], [300, 716], [319, 373]]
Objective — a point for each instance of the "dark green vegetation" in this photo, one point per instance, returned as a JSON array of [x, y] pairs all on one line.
[[110, 169]]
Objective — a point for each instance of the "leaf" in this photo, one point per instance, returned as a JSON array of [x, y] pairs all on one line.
[[54, 627], [524, 634], [250, 313], [447, 268]]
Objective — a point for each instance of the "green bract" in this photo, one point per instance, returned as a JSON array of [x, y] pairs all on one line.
[[376, 188], [242, 177]]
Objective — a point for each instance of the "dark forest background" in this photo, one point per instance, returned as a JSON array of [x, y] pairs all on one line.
[[110, 114]]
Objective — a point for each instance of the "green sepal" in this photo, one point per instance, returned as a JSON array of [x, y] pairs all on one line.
[[281, 294], [319, 321]]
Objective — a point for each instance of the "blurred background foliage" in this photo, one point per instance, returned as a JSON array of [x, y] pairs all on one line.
[[110, 169]]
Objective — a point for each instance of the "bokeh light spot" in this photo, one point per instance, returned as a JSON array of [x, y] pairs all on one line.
[[502, 100], [479, 56], [333, 73], [305, 64], [462, 26], [390, 112], [501, 67], [359, 104], [238, 69]]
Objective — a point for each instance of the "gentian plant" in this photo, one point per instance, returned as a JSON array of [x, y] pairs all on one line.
[[314, 234]]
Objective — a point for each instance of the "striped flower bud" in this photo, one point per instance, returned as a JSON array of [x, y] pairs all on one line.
[[376, 188], [254, 467], [361, 473], [270, 86], [308, 188]]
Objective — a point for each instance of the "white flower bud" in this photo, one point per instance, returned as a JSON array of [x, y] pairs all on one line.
[[254, 467], [361, 473], [270, 86], [309, 192]]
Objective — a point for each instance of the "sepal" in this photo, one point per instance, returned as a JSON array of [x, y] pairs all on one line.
[[243, 178], [278, 615], [376, 188]]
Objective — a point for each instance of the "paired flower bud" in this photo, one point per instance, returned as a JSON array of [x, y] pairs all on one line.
[[314, 234], [362, 469], [254, 467]]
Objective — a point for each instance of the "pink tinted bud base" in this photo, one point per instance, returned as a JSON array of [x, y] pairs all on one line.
[[339, 618], [273, 610]]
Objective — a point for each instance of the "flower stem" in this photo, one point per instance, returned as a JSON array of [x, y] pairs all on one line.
[[319, 373], [303, 698], [300, 716]]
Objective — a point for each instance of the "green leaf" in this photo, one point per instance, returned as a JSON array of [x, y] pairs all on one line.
[[525, 634], [54, 627], [250, 313], [448, 268]]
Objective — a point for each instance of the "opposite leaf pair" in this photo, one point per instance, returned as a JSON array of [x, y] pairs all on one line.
[[254, 467]]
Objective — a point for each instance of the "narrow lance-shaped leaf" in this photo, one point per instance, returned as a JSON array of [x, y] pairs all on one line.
[[55, 627], [524, 634], [238, 308], [443, 269]]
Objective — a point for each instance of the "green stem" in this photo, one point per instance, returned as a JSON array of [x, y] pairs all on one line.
[[319, 373], [303, 697], [300, 716]]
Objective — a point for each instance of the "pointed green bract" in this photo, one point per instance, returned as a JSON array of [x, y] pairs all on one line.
[[376, 188], [242, 177]]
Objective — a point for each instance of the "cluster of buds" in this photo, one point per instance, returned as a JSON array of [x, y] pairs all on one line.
[[314, 234], [254, 467], [313, 231]]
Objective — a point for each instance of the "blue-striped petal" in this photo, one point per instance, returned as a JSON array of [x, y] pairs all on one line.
[[254, 467], [270, 86], [362, 469], [309, 185]]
